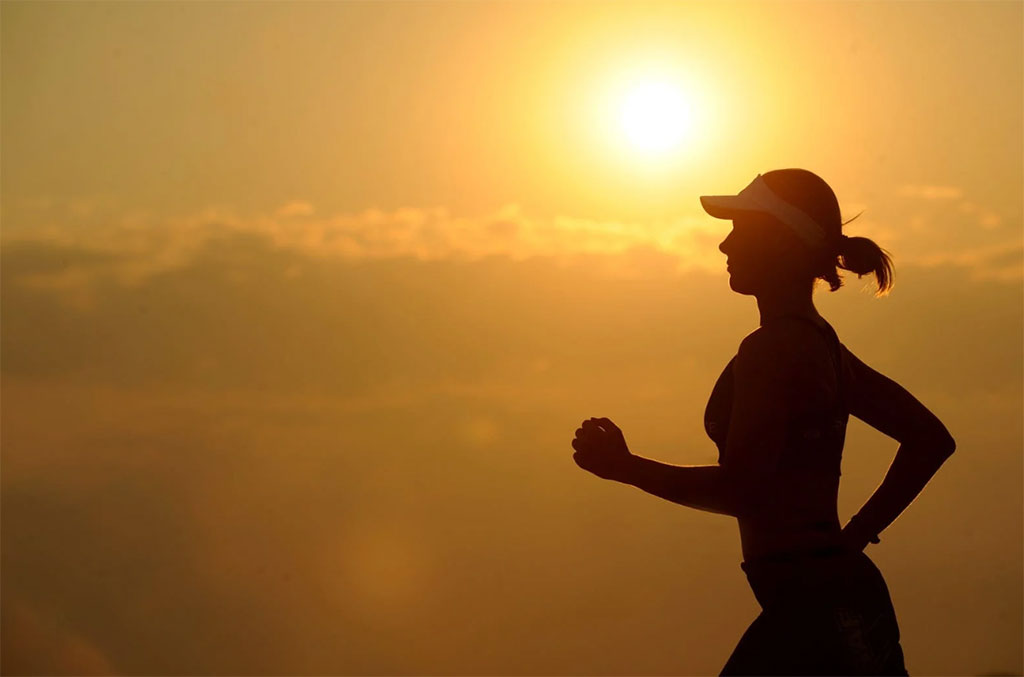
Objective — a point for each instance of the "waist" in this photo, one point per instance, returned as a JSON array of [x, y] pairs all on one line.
[[801, 516], [792, 557]]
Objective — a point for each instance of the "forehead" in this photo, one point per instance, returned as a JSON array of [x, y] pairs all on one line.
[[759, 227], [753, 220]]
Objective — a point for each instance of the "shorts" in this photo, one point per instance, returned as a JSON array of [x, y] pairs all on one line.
[[827, 613]]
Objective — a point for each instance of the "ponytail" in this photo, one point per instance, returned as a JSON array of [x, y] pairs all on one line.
[[809, 193], [861, 255]]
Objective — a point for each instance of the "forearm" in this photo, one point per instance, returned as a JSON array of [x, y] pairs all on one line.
[[704, 487], [914, 465]]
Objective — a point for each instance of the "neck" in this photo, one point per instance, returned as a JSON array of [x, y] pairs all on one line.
[[777, 303]]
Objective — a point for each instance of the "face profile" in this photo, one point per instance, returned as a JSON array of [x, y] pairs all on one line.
[[761, 255]]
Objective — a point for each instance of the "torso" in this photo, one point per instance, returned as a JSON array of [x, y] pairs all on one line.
[[802, 514]]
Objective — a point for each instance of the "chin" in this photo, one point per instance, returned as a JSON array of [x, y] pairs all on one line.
[[738, 286]]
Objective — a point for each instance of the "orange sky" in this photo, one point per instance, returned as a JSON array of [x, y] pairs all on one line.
[[302, 304]]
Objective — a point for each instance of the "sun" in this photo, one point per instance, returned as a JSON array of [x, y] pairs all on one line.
[[653, 116], [656, 117]]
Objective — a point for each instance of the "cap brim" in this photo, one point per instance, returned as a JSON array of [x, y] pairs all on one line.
[[726, 206]]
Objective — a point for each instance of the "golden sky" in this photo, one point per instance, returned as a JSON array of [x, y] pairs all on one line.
[[302, 303]]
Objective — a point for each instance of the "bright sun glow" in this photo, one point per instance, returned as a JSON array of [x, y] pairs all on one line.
[[656, 117]]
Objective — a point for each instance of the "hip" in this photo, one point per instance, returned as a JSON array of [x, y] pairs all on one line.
[[832, 576], [822, 613]]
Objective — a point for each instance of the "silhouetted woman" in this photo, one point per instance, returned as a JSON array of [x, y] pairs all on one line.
[[778, 415]]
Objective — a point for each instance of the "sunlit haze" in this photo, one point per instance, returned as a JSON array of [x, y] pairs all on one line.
[[302, 304]]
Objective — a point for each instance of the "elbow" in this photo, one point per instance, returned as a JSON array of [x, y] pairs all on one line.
[[947, 445], [936, 441], [942, 442]]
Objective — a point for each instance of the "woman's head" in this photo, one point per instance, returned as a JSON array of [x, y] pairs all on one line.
[[787, 230]]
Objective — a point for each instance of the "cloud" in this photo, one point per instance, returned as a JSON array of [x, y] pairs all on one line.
[[295, 208], [940, 225], [1002, 261], [147, 245], [927, 192], [241, 310], [986, 218], [125, 249]]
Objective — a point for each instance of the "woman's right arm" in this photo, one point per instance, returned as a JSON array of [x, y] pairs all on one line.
[[925, 444]]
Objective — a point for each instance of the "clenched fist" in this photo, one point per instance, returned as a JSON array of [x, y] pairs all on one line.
[[601, 449]]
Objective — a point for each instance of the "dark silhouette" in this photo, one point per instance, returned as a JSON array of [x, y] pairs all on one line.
[[778, 415]]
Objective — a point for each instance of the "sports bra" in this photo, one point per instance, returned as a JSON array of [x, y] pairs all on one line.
[[814, 440]]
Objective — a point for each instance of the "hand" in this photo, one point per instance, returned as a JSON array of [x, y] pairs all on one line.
[[601, 448], [855, 539]]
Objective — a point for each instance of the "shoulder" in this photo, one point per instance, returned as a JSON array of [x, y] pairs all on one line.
[[782, 340], [788, 353], [764, 356]]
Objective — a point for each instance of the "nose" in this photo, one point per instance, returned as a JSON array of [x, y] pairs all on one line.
[[724, 244]]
